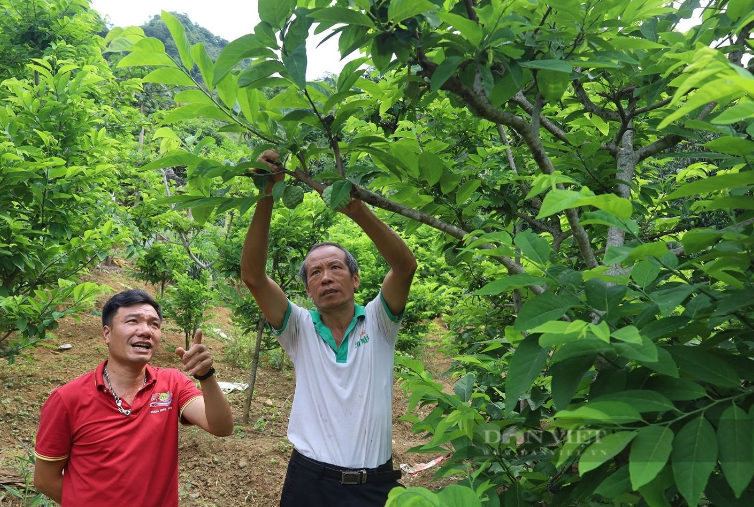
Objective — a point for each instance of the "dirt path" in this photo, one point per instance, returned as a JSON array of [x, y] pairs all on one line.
[[246, 468]]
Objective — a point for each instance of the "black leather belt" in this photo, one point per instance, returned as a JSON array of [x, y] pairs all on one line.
[[381, 474]]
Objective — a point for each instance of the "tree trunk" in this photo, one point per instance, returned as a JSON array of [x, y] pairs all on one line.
[[253, 369], [626, 164]]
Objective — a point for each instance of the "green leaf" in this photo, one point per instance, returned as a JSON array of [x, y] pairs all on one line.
[[431, 167], [616, 206], [244, 47], [443, 71], [179, 37], [741, 111], [555, 65], [456, 494], [649, 454], [336, 15], [203, 61], [353, 37], [295, 64], [227, 89], [413, 497], [703, 365], [713, 183], [670, 296], [664, 363], [467, 189], [720, 495], [508, 283], [613, 412], [628, 334], [676, 389], [525, 366], [166, 132], [644, 351], [583, 347], [467, 27], [693, 458], [350, 74], [732, 202], [341, 194], [604, 218], [275, 12], [259, 70], [654, 492], [552, 84], [604, 449], [737, 9], [735, 437], [464, 388], [398, 10], [192, 111], [533, 247], [615, 485], [513, 497], [173, 158], [644, 400], [149, 45], [644, 273], [169, 77], [616, 254], [603, 297], [558, 200], [144, 59], [634, 43], [566, 377], [731, 145], [541, 308]]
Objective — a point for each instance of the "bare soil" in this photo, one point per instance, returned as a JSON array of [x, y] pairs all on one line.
[[246, 468]]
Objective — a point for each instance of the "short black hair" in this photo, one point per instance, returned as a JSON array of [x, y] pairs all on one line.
[[124, 300], [353, 266]]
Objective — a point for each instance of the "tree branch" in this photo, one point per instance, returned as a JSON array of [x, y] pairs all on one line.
[[184, 241], [512, 163], [536, 223], [670, 140], [470, 4], [477, 102], [590, 106], [647, 109], [381, 202], [520, 100]]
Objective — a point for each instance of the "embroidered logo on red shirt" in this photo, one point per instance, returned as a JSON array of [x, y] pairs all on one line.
[[161, 400]]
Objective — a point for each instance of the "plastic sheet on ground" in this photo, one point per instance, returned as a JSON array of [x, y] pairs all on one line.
[[411, 470], [229, 387]]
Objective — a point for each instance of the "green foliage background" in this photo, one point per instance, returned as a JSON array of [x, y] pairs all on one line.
[[574, 177]]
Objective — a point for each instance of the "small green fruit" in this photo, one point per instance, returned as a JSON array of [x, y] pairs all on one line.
[[293, 196], [345, 198], [451, 256]]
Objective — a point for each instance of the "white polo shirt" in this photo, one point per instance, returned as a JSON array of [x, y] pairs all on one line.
[[342, 407]]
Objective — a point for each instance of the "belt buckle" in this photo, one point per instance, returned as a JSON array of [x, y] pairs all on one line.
[[353, 476]]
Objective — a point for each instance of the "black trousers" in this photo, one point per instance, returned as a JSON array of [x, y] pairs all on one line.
[[306, 488]]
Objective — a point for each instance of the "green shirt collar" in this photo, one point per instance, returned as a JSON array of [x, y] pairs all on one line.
[[341, 353]]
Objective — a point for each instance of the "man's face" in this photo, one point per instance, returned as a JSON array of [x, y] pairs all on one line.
[[134, 334], [330, 284]]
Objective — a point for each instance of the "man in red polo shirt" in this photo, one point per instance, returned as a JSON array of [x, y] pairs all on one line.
[[110, 437]]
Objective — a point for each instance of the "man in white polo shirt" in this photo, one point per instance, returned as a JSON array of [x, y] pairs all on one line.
[[341, 420]]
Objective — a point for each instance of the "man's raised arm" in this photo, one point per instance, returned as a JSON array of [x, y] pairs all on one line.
[[393, 249], [268, 294]]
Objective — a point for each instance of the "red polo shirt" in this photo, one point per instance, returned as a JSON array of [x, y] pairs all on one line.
[[113, 459]]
